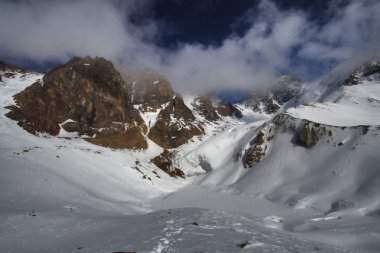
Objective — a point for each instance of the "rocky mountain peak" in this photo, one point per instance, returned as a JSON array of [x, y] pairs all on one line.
[[212, 108], [149, 89], [270, 100], [204, 105], [175, 125], [369, 71], [87, 96], [9, 70]]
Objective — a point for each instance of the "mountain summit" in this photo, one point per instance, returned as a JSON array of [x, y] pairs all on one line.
[[91, 98]]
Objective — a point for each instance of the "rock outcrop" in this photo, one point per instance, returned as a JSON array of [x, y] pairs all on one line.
[[226, 109], [205, 107], [309, 134], [368, 71], [87, 96], [9, 70], [164, 162], [258, 147], [175, 125], [149, 90], [305, 133], [270, 100]]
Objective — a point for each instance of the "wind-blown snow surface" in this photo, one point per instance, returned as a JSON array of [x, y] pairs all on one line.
[[66, 195], [346, 106]]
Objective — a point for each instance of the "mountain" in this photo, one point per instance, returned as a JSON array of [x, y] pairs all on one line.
[[271, 100], [99, 159], [87, 96]]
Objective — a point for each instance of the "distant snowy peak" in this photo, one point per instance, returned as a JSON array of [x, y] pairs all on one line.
[[271, 100], [10, 71], [5, 67], [350, 100], [348, 73], [213, 109], [370, 71]]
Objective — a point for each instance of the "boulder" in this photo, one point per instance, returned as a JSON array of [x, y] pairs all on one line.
[[164, 162]]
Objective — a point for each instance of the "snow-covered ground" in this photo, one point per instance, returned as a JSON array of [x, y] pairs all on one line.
[[66, 195], [346, 106]]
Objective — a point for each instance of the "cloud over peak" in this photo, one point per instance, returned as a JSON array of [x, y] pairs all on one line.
[[276, 42]]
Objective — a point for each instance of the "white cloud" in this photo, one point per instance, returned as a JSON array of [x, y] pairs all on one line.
[[56, 30], [277, 41]]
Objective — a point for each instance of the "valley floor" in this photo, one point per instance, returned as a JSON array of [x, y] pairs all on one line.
[[189, 229]]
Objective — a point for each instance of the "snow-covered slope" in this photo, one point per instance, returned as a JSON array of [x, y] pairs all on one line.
[[43, 172], [343, 101], [320, 157], [311, 183]]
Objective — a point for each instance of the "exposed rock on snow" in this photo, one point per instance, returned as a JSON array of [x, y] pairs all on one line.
[[259, 146], [309, 134], [149, 89], [305, 133], [271, 100], [227, 109], [369, 71], [205, 106], [164, 162], [175, 125]]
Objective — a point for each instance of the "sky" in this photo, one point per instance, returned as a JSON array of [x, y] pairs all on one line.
[[196, 44]]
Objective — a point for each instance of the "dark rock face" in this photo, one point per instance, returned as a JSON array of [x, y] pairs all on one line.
[[270, 101], [175, 125], [306, 133], [9, 71], [164, 162], [309, 134], [227, 109], [255, 152], [149, 89], [88, 91], [369, 71], [351, 80], [205, 107], [150, 92], [120, 137], [12, 68]]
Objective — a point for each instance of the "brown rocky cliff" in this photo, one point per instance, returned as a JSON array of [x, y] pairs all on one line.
[[164, 161], [175, 125], [89, 96], [271, 99], [227, 109], [88, 91], [204, 105], [149, 90]]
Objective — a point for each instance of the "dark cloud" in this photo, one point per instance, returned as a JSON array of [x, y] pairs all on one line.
[[276, 41]]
